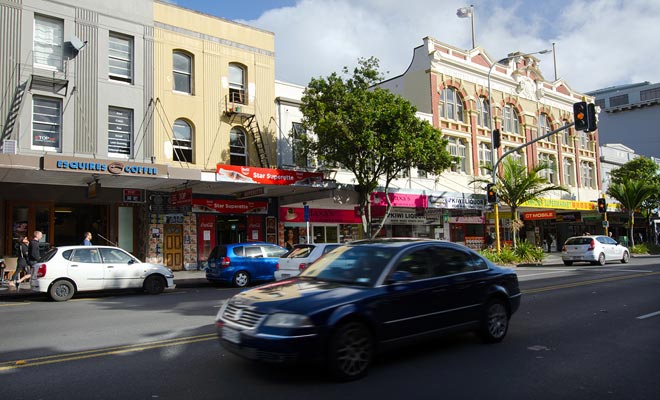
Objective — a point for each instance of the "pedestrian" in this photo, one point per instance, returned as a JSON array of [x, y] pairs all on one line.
[[489, 240], [87, 239], [22, 265], [33, 248], [548, 241]]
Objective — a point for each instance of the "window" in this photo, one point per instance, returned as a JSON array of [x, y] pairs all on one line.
[[483, 112], [456, 148], [511, 121], [48, 42], [297, 133], [584, 140], [182, 143], [566, 136], [422, 174], [484, 158], [120, 131], [515, 155], [237, 84], [115, 256], [649, 94], [551, 173], [237, 147], [618, 100], [46, 123], [86, 256], [120, 58], [545, 127], [182, 72], [600, 103], [587, 174], [451, 105], [569, 172], [448, 261]]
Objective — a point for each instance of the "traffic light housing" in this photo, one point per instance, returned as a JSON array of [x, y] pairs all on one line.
[[591, 117], [490, 193], [602, 205], [496, 139], [581, 116]]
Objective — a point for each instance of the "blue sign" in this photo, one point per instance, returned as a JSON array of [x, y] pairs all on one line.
[[306, 213]]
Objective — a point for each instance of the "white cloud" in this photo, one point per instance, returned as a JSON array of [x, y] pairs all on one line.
[[599, 43]]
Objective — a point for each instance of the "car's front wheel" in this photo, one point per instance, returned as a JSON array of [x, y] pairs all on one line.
[[625, 258], [61, 290], [351, 351], [495, 321], [241, 279], [154, 284]]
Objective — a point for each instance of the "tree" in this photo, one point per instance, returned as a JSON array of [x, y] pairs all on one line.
[[631, 193], [369, 131], [517, 185], [645, 169]]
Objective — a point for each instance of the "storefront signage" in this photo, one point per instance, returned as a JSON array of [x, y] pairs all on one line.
[[403, 216], [260, 191], [561, 204], [399, 200], [267, 176], [534, 215], [230, 206], [103, 167], [289, 214], [465, 201], [466, 220], [569, 217], [181, 198], [133, 196]]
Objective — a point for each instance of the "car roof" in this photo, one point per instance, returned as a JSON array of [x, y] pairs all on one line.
[[396, 242], [82, 246]]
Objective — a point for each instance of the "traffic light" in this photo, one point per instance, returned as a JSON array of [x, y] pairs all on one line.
[[602, 205], [581, 116], [591, 117], [496, 139], [490, 193]]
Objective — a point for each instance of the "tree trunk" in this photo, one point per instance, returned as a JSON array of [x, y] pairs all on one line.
[[632, 229]]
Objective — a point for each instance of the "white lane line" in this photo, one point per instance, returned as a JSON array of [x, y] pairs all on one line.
[[649, 315], [543, 273]]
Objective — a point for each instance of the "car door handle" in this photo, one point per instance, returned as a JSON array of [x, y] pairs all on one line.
[[110, 266], [73, 265]]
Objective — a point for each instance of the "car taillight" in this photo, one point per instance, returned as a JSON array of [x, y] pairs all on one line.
[[225, 262], [563, 248], [592, 245], [41, 271], [302, 266]]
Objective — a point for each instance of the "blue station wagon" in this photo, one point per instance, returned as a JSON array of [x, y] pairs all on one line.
[[243, 263]]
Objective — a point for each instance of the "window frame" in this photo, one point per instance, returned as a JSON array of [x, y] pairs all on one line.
[[115, 54], [234, 155], [545, 126], [57, 123], [483, 112], [456, 146], [57, 45], [484, 158], [569, 171], [454, 108], [129, 124], [549, 174], [511, 120], [179, 147], [237, 91], [182, 73]]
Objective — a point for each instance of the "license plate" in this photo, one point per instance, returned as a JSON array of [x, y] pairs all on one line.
[[231, 335], [285, 275]]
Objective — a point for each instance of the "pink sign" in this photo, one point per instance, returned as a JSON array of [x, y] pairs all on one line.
[[267, 176], [400, 200], [288, 214]]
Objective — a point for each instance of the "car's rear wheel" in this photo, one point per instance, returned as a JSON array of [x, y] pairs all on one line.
[[625, 258], [241, 279], [154, 284], [495, 321], [61, 290], [601, 259], [351, 352], [568, 263]]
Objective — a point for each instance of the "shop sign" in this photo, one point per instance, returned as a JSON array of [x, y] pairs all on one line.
[[290, 214], [181, 198], [464, 201], [467, 220], [103, 167], [267, 176], [133, 196], [260, 191], [561, 204], [569, 217], [405, 217], [535, 215], [230, 206], [399, 200]]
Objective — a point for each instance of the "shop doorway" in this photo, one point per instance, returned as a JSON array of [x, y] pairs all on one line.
[[231, 229], [71, 221], [173, 248]]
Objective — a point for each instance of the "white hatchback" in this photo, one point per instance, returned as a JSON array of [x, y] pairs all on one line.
[[298, 258], [593, 249], [65, 270]]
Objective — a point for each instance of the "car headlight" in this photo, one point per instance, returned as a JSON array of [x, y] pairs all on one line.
[[282, 320]]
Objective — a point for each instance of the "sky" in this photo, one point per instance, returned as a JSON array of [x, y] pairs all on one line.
[[598, 43]]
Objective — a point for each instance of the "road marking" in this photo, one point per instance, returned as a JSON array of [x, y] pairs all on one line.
[[81, 355], [544, 273], [14, 304], [589, 282], [649, 315]]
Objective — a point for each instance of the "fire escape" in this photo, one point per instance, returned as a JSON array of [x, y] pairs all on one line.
[[235, 110]]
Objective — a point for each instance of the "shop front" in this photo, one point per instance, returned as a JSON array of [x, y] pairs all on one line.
[[321, 225]]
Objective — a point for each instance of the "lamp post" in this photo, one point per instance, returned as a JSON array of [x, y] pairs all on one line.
[[492, 136]]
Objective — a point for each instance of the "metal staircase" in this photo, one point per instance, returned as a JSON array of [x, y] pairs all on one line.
[[235, 110], [14, 110]]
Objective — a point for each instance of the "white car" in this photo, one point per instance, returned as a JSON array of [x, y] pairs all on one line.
[[297, 259], [593, 249], [65, 270]]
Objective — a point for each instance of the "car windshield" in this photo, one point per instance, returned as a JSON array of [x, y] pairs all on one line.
[[579, 240], [355, 265]]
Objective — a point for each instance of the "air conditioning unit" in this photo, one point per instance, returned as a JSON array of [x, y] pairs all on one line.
[[9, 147]]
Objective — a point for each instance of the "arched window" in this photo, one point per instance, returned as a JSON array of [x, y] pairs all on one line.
[[237, 84], [457, 148], [451, 104], [511, 120], [237, 147], [483, 109], [544, 126], [569, 171], [484, 158], [182, 143], [182, 71]]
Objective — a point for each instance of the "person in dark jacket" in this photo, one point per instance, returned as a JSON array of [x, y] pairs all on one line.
[[33, 248], [22, 265]]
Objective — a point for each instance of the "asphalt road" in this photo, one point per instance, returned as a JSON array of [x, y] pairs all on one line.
[[581, 333]]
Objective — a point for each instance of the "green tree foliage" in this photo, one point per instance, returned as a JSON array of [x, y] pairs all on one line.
[[631, 193], [368, 131], [517, 185]]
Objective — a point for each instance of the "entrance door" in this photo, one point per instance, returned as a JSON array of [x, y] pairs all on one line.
[[173, 251]]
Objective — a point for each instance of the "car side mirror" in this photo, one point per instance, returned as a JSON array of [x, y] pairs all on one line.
[[400, 276], [131, 261]]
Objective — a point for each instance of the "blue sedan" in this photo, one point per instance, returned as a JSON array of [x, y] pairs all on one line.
[[367, 296]]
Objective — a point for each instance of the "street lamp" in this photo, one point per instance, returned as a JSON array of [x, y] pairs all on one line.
[[492, 136]]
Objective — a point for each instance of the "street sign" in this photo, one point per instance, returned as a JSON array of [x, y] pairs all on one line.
[[606, 224], [306, 213]]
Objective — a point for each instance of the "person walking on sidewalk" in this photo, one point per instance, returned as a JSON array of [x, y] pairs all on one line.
[[87, 239], [22, 265], [33, 248]]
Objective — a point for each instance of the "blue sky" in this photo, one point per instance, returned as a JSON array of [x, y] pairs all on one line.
[[599, 43]]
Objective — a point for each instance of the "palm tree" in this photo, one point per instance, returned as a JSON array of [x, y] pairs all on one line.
[[517, 185], [631, 193]]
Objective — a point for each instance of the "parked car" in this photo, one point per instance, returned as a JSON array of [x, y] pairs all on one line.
[[366, 296], [595, 249], [66, 270], [243, 263], [297, 259]]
